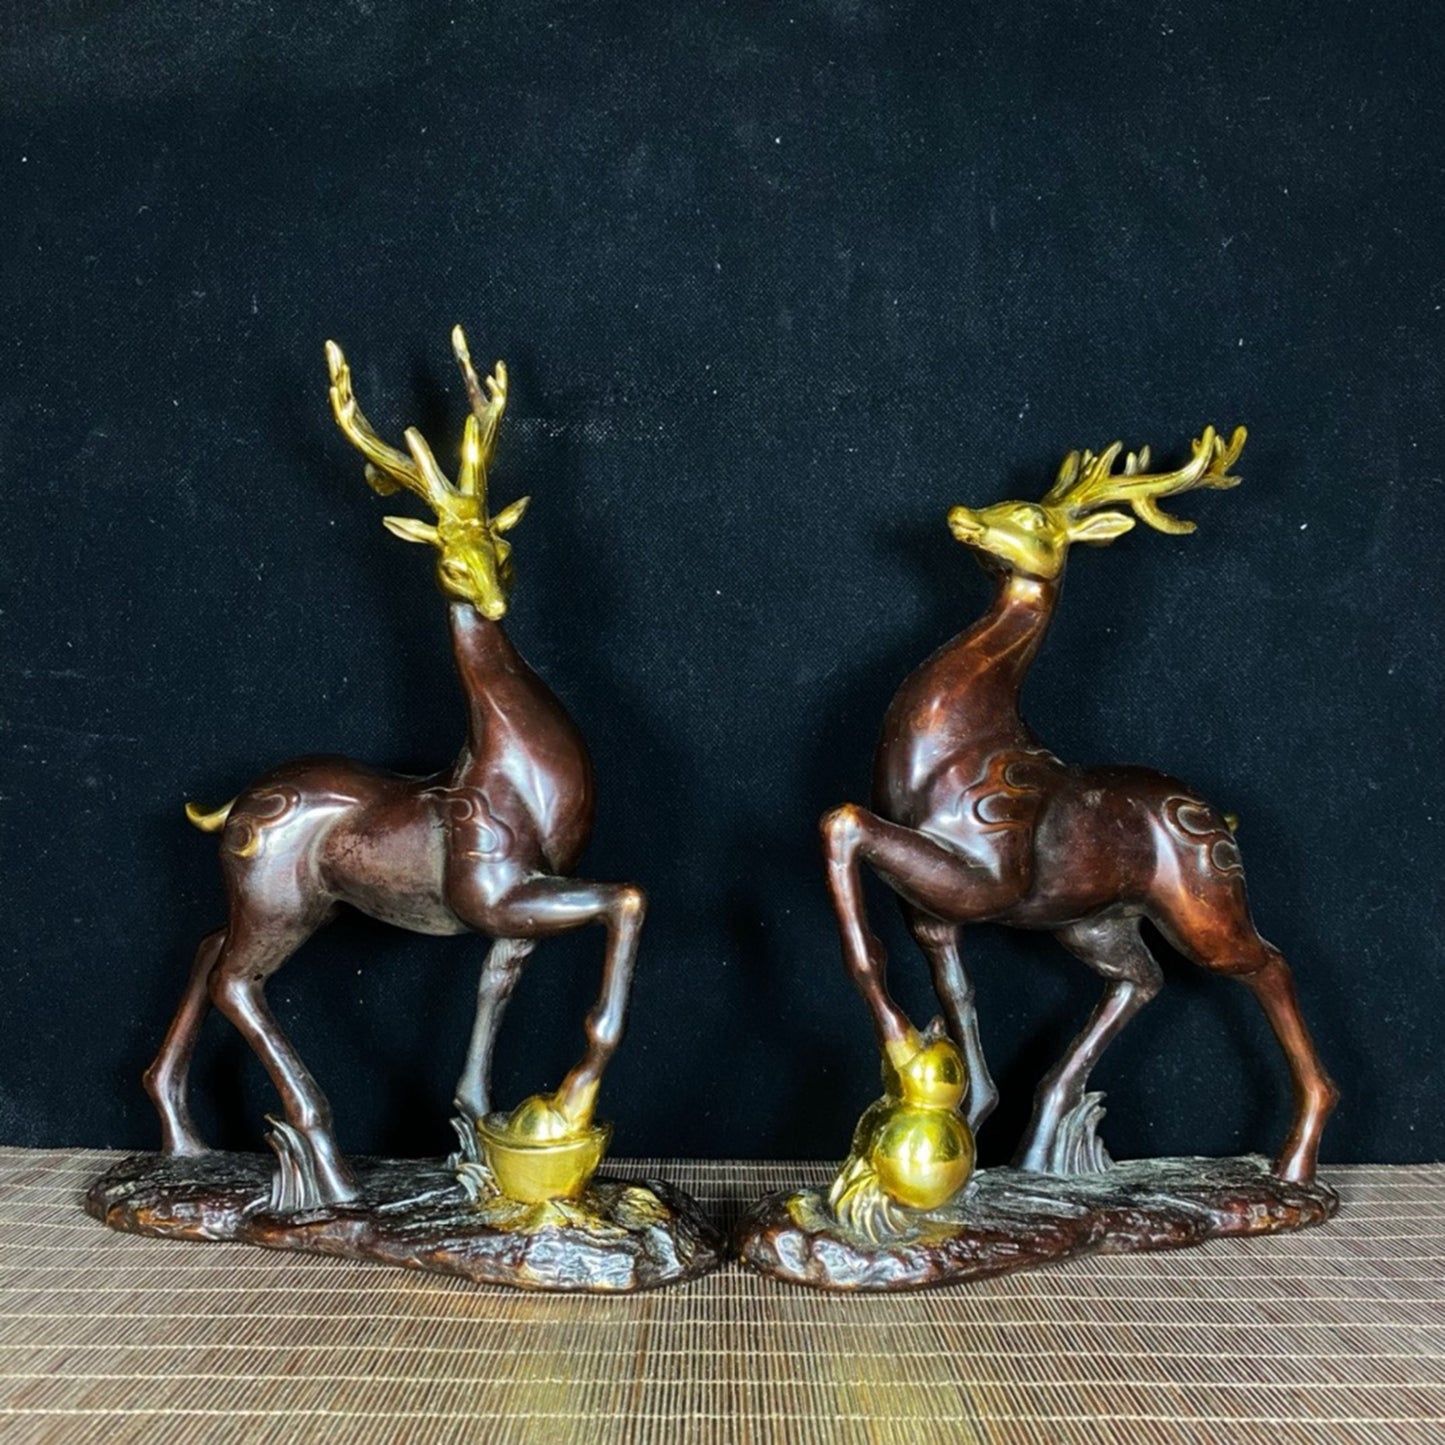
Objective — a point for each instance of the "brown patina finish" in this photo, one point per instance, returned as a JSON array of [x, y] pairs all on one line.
[[487, 845], [974, 820]]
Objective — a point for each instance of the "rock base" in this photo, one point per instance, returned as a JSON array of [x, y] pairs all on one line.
[[619, 1237], [1013, 1219]]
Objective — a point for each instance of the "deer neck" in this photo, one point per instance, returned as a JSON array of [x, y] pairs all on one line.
[[961, 707], [493, 675], [974, 682], [1012, 630]]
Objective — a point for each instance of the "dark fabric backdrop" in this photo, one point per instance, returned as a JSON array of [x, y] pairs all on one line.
[[778, 284]]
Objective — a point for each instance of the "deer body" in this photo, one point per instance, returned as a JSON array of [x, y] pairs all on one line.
[[974, 820], [488, 845], [422, 852]]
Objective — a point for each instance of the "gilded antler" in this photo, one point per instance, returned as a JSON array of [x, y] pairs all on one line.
[[474, 563], [387, 469], [1087, 482], [479, 441]]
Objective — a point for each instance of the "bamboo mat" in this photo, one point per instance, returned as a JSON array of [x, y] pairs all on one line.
[[1337, 1334]]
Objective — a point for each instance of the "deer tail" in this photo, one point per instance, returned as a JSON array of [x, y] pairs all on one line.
[[209, 822]]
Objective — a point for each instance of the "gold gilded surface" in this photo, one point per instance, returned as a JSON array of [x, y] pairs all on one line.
[[923, 1157], [1083, 504], [934, 1077], [912, 1149], [536, 1153], [538, 1120], [209, 822], [474, 559]]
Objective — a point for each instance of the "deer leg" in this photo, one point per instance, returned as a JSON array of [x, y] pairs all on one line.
[[1210, 924], [922, 872], [844, 830], [1227, 942], [1112, 947], [543, 906], [166, 1079], [939, 942], [500, 973], [1315, 1094], [248, 958]]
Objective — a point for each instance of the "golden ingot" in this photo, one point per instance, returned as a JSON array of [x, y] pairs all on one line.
[[922, 1156], [536, 1154], [538, 1120]]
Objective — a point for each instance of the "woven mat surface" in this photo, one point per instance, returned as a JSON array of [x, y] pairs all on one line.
[[1336, 1334]]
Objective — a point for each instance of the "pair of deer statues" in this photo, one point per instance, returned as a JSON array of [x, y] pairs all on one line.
[[972, 820]]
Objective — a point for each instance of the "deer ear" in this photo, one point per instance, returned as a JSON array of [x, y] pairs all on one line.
[[1100, 527], [410, 530], [508, 517]]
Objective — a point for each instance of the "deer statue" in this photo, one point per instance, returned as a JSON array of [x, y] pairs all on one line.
[[488, 845], [973, 821]]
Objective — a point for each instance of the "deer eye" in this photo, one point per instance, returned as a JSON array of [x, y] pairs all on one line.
[[1030, 518]]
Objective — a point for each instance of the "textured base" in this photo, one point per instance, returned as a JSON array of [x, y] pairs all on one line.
[[618, 1237], [1011, 1219]]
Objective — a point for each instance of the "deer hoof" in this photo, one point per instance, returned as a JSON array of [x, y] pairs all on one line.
[[309, 1175], [469, 1151], [1072, 1144], [1296, 1166]]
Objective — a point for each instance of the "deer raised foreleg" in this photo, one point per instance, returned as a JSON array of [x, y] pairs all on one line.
[[924, 873], [167, 1079], [1111, 947], [541, 906]]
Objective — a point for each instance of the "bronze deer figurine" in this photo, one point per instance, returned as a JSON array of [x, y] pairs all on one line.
[[487, 845], [973, 820]]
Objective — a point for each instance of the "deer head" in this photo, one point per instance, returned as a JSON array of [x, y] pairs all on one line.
[[474, 564], [1033, 538]]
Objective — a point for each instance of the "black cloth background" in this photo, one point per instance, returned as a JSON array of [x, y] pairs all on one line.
[[778, 285]]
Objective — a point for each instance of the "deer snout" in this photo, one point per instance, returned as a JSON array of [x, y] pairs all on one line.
[[964, 525]]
